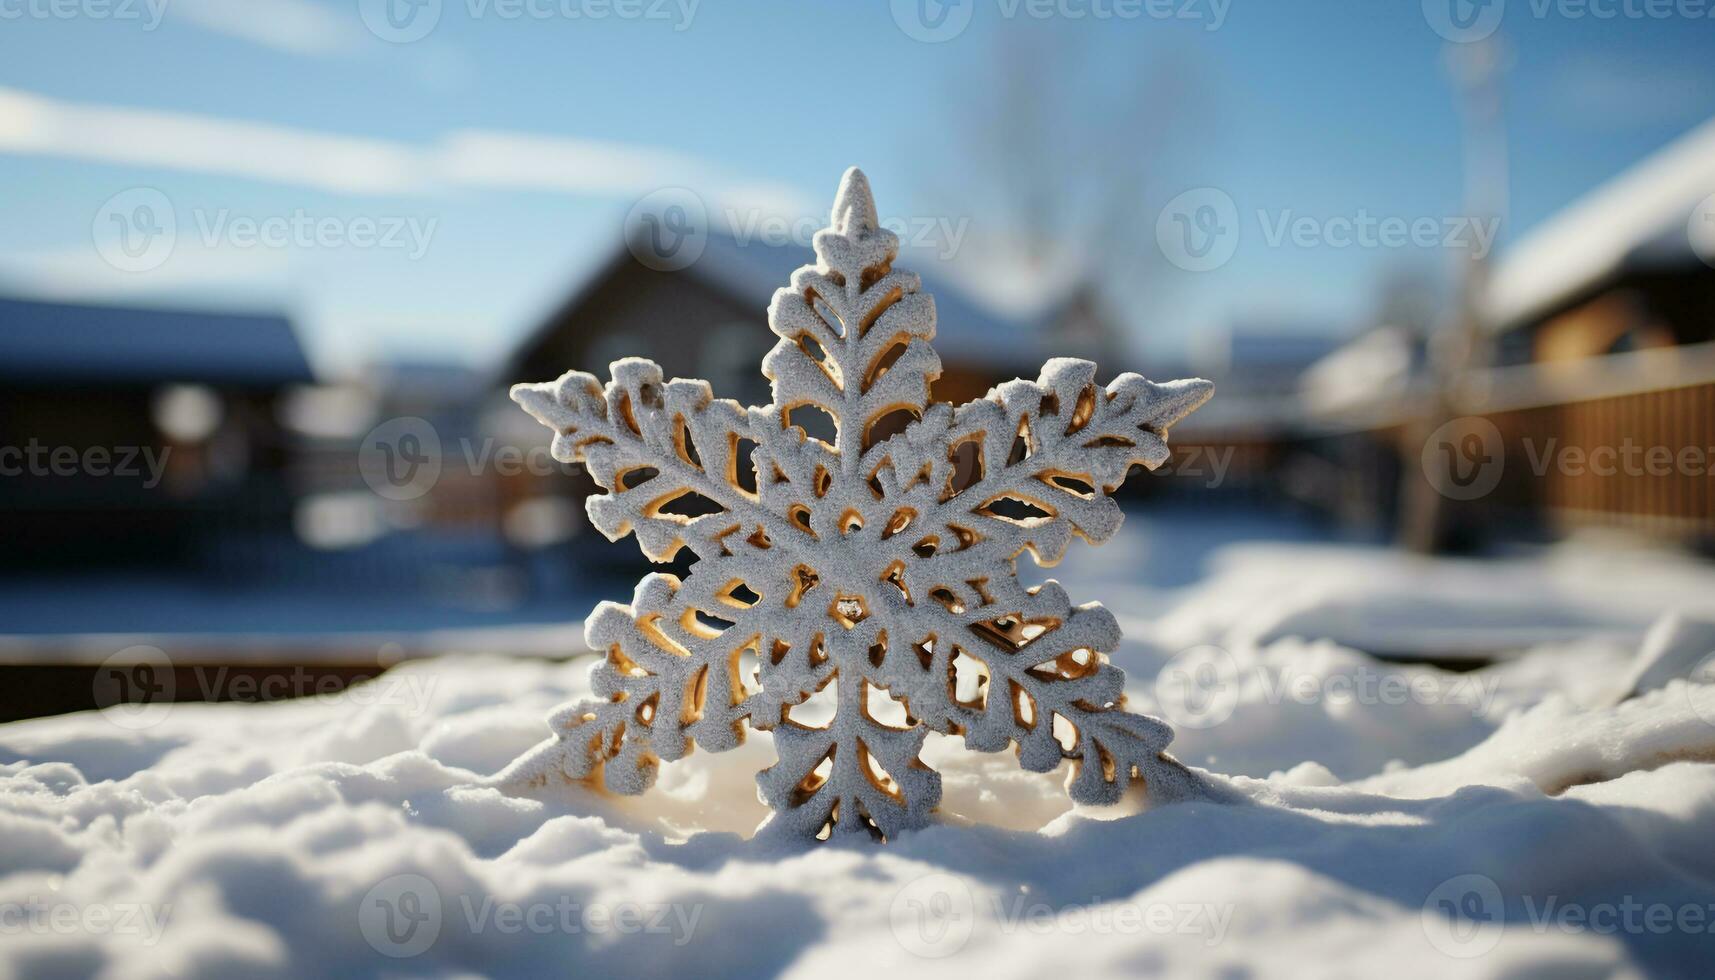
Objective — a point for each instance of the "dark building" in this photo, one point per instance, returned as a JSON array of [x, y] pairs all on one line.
[[709, 321], [140, 435]]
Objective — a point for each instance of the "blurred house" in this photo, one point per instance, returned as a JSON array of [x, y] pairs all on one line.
[[1596, 334], [1244, 442], [1624, 269], [1358, 406], [134, 435], [709, 321], [1080, 324], [1603, 327], [435, 402]]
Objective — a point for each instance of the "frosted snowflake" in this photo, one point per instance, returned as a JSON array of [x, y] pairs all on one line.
[[853, 596]]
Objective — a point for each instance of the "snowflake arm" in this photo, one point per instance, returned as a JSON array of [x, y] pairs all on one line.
[[854, 332], [651, 445]]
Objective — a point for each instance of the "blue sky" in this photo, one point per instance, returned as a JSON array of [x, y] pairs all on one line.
[[515, 146]]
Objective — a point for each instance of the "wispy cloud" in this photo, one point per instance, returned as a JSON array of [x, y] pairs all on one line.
[[31, 124], [293, 26], [555, 163], [208, 273], [35, 125]]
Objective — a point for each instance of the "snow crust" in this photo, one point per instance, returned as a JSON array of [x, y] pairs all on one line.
[[1526, 819]]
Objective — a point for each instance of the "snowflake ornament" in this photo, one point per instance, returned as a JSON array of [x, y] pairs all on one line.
[[876, 574]]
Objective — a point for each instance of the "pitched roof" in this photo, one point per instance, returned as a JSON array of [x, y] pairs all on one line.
[[751, 271], [42, 341], [1638, 218]]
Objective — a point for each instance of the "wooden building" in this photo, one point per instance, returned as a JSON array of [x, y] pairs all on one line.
[[1596, 366]]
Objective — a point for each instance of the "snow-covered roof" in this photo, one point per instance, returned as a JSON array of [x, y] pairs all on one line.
[[1639, 216], [1263, 348], [42, 341], [1375, 368]]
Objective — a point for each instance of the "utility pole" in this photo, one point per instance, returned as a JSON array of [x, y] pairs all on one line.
[[1462, 346]]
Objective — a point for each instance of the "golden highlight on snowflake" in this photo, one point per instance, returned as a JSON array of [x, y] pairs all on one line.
[[876, 575]]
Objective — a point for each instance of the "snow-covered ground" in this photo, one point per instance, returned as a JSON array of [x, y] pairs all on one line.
[[1550, 815]]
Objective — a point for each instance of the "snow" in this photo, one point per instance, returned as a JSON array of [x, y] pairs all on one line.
[[358, 834], [1260, 581]]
